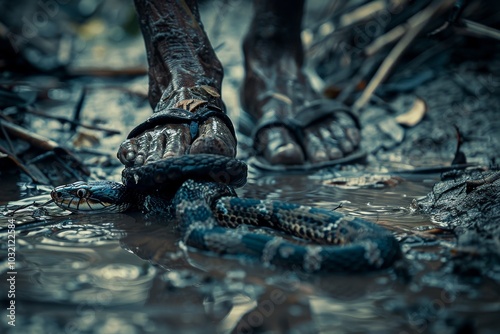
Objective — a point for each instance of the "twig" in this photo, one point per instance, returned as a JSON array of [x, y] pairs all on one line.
[[389, 37], [22, 207], [62, 155], [13, 156], [473, 184], [362, 13], [37, 179], [416, 24], [7, 138], [78, 109], [460, 157], [363, 72], [32, 138], [76, 123], [478, 30], [106, 72]]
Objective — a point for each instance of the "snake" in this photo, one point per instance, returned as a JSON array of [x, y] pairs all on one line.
[[198, 192]]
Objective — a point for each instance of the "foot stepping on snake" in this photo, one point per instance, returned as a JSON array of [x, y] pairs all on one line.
[[208, 213]]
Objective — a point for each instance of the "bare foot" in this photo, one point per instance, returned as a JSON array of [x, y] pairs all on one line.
[[184, 73], [275, 87], [170, 140]]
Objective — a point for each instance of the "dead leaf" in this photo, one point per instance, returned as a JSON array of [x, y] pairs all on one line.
[[85, 139], [413, 116], [210, 90]]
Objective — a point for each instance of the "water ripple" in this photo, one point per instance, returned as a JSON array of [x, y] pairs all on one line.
[[77, 275], [46, 269], [90, 230], [78, 234]]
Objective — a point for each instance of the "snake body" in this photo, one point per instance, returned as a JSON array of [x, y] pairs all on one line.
[[212, 218]]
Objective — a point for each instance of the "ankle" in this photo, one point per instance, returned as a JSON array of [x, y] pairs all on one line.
[[271, 49], [190, 98], [275, 29]]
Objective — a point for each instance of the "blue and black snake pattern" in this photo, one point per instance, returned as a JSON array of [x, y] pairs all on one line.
[[212, 218]]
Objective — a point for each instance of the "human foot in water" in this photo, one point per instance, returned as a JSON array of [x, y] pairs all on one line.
[[293, 125], [184, 73]]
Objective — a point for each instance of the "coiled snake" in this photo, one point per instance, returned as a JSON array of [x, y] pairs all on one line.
[[197, 190]]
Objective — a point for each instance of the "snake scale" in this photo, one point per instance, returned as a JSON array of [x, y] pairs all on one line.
[[197, 191]]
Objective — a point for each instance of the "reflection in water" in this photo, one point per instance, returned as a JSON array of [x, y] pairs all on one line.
[[76, 274], [390, 204]]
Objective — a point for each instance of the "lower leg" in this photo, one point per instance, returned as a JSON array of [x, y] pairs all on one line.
[[179, 53], [275, 85], [273, 48], [184, 72]]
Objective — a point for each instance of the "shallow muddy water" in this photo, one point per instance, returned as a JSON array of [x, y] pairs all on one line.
[[126, 273]]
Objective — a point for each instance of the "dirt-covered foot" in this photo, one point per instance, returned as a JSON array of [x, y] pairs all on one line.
[[168, 140], [275, 88], [184, 73]]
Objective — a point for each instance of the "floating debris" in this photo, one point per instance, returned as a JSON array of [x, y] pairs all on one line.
[[365, 181]]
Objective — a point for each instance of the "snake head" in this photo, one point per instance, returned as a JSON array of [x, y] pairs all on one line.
[[91, 197]]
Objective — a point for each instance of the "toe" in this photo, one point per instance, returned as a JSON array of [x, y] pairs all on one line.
[[215, 138], [127, 152], [280, 147], [330, 143], [156, 144], [344, 144], [331, 140], [354, 136], [178, 138], [143, 142], [323, 141], [350, 129], [315, 146], [156, 147]]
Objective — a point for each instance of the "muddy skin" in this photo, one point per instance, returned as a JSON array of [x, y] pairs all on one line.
[[275, 84], [184, 72]]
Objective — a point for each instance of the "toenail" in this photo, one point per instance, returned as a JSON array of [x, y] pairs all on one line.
[[130, 155], [139, 159]]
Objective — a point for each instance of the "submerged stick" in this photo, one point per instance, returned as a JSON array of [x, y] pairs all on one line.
[[67, 160]]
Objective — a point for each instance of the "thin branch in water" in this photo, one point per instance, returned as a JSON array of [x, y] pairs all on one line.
[[30, 137]]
